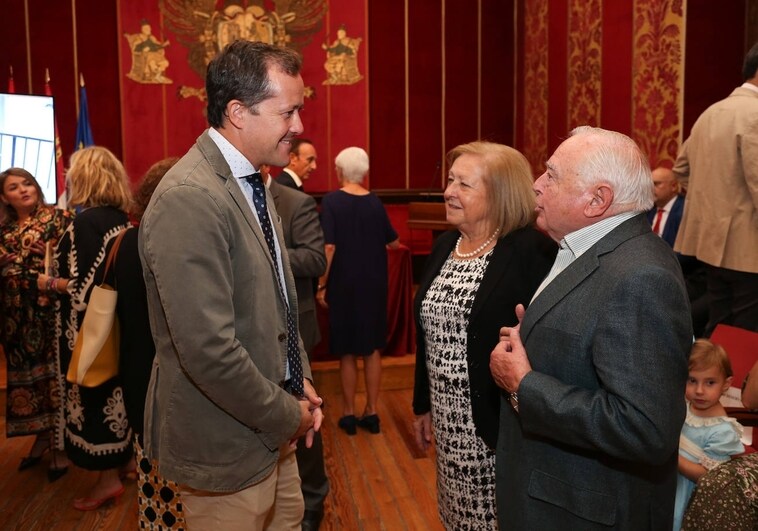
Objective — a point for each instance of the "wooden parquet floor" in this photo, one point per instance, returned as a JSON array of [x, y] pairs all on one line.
[[378, 482]]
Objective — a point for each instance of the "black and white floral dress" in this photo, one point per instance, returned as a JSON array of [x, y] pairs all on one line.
[[97, 433], [465, 465]]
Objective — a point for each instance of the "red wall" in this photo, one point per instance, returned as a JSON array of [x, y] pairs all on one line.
[[437, 74]]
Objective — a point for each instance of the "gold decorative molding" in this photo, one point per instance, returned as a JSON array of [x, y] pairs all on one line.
[[535, 83], [584, 62], [658, 78]]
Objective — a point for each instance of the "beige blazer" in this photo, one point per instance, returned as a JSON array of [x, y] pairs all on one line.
[[215, 414], [719, 165]]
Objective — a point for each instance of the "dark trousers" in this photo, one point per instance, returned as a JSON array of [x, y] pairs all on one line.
[[733, 299], [310, 462]]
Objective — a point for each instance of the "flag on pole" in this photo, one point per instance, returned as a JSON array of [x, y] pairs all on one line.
[[83, 129], [11, 84], [60, 181]]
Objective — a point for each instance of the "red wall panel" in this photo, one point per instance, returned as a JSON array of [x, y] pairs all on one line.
[[425, 85], [13, 46], [387, 93], [97, 52], [461, 73], [715, 44], [498, 63], [557, 117], [616, 113]]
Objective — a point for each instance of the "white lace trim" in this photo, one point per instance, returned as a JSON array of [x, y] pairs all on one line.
[[700, 422]]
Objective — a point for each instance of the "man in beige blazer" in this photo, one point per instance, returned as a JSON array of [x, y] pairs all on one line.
[[223, 410], [718, 164]]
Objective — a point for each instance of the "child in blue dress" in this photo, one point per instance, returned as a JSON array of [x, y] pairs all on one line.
[[708, 436]]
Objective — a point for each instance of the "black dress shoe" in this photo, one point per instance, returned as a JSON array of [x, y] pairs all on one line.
[[312, 520], [370, 423], [348, 423], [54, 474]]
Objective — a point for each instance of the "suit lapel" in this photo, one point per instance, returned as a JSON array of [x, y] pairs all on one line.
[[211, 152], [571, 277]]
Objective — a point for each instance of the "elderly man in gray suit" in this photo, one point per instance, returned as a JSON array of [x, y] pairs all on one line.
[[594, 374], [230, 392]]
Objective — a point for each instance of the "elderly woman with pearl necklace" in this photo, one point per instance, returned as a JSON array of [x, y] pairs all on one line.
[[474, 278]]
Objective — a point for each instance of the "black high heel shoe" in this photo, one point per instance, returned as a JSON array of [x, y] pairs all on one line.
[[31, 460], [370, 423], [348, 423]]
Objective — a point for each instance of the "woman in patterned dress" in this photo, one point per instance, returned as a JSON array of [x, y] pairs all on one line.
[[28, 332], [474, 278], [97, 432]]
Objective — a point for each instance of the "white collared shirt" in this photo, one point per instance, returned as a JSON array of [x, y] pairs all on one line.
[[665, 217], [295, 177], [575, 244], [241, 168]]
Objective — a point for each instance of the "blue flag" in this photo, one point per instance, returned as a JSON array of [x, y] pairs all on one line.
[[83, 129]]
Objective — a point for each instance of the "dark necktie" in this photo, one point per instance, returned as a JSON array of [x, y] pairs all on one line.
[[293, 352], [657, 225]]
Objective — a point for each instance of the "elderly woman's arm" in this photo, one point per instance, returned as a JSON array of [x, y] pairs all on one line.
[[394, 244], [329, 249], [750, 392]]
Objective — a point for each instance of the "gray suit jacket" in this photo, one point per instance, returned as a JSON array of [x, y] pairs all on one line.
[[305, 246], [215, 414], [595, 443]]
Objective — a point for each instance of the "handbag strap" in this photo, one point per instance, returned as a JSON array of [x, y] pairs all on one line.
[[112, 254]]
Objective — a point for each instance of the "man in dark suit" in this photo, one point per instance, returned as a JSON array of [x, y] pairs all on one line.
[[595, 371], [665, 218], [302, 163], [304, 240]]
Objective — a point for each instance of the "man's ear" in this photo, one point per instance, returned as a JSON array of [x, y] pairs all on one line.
[[293, 156], [600, 202], [235, 113]]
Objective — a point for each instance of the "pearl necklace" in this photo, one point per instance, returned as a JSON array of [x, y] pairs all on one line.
[[476, 251]]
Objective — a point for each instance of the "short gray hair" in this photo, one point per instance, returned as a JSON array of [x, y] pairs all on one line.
[[617, 160], [352, 163]]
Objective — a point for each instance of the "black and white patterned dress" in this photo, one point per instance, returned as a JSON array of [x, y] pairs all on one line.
[[94, 425], [465, 465]]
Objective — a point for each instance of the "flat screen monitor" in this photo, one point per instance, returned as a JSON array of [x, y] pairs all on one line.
[[27, 138]]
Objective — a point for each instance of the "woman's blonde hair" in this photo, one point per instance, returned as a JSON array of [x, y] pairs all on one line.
[[508, 183], [705, 354], [97, 178]]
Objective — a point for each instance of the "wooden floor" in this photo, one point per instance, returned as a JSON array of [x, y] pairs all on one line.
[[377, 481]]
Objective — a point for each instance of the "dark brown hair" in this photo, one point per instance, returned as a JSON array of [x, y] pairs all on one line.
[[9, 211], [148, 183]]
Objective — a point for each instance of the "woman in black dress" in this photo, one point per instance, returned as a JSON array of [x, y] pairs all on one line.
[[354, 287], [97, 432]]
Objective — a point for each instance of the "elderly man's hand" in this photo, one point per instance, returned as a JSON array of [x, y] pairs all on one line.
[[509, 362]]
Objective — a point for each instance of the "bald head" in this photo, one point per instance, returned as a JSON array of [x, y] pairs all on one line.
[[666, 186]]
